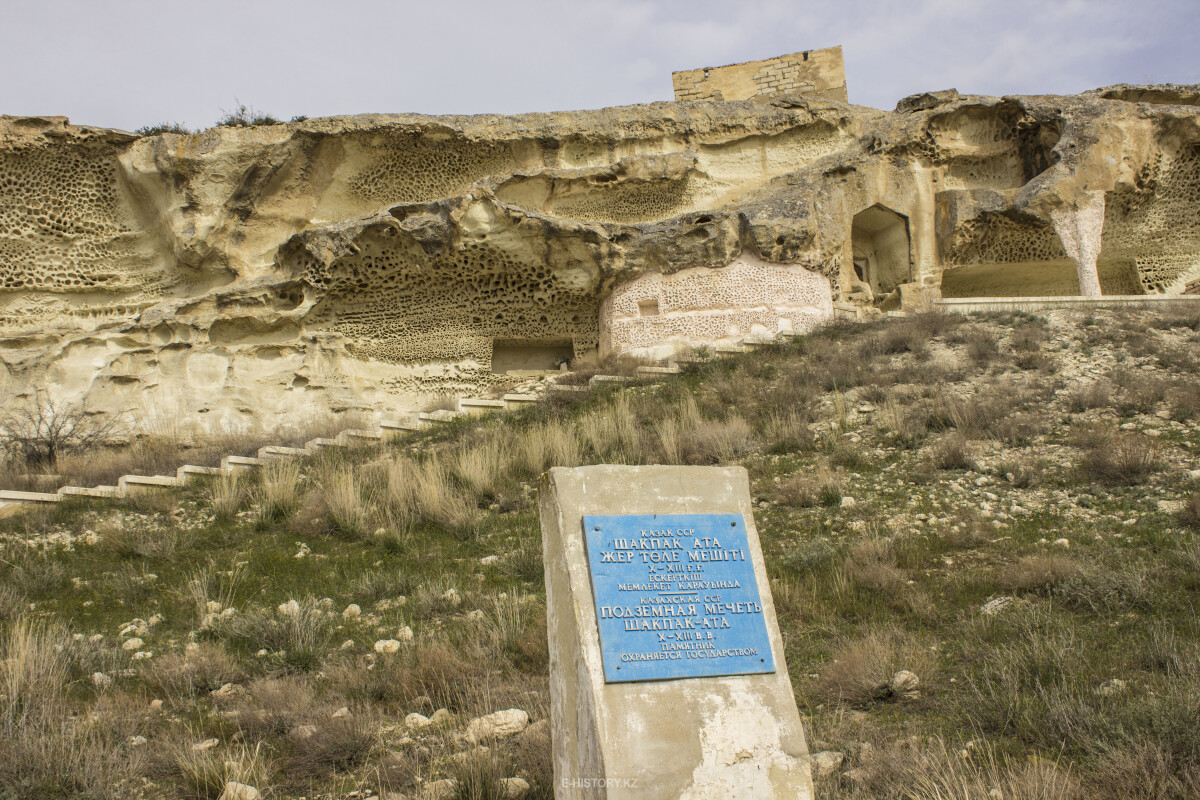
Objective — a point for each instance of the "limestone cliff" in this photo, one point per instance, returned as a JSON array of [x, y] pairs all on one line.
[[245, 276]]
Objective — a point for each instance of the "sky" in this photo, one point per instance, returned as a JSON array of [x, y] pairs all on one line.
[[130, 63]]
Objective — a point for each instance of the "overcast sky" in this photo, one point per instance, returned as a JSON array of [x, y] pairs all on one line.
[[128, 63]]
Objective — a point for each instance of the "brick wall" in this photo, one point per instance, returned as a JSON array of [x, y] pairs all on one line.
[[820, 73]]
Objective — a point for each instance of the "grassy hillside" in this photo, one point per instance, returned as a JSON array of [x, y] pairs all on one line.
[[1006, 507]]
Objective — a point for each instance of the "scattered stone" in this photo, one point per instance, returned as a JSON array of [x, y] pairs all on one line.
[[207, 744], [444, 789], [1170, 506], [228, 691], [440, 716], [993, 607], [348, 644], [142, 655], [405, 634], [101, 681], [415, 720], [387, 646], [475, 615], [304, 731], [1063, 543], [826, 762], [342, 713], [1111, 687], [849, 502], [487, 561], [902, 686], [289, 609], [514, 788], [132, 644], [156, 705], [239, 791], [137, 741], [352, 611], [452, 596], [499, 725]]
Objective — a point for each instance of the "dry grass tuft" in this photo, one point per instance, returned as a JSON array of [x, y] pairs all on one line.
[[278, 493], [861, 667], [1121, 459], [343, 499], [822, 487], [1037, 573], [872, 563], [226, 494]]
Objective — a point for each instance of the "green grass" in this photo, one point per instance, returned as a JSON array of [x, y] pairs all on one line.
[[894, 580]]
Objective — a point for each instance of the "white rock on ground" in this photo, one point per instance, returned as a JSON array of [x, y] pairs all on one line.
[[352, 611], [826, 762], [239, 791], [497, 726], [514, 788], [415, 720], [132, 644], [405, 634], [387, 646], [440, 790]]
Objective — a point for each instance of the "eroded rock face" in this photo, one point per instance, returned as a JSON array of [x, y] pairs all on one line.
[[256, 276]]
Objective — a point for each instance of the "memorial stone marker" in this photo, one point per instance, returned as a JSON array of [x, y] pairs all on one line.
[[666, 667]]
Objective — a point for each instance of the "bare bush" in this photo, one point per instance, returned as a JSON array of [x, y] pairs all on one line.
[[860, 667], [1038, 573], [42, 429], [278, 493]]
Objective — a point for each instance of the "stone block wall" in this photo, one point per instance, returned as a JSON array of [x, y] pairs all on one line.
[[820, 73]]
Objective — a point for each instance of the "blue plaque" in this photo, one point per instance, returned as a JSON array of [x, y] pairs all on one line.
[[676, 597]]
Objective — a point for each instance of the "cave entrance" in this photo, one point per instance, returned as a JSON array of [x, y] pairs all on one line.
[[530, 355], [881, 249]]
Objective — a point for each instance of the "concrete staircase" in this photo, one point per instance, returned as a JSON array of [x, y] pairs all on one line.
[[128, 485]]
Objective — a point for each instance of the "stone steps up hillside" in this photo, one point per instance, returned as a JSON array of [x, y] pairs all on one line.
[[12, 500]]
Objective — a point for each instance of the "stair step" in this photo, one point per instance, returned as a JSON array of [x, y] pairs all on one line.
[[359, 433], [271, 452], [520, 399], [13, 495], [83, 491], [188, 470], [238, 463], [569, 388], [319, 442], [472, 405], [598, 379], [135, 483], [671, 370], [396, 427], [439, 416]]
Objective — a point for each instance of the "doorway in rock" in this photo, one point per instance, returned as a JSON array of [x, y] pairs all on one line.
[[882, 252], [530, 355]]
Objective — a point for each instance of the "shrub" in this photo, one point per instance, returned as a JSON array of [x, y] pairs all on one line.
[[41, 429], [982, 346], [302, 633], [226, 494], [343, 499], [872, 564], [278, 492], [1116, 459], [1038, 573], [1190, 513], [861, 666], [243, 116], [952, 452], [787, 432], [807, 490], [163, 127], [1097, 394]]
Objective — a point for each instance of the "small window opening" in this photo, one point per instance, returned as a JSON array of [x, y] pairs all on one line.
[[806, 56], [648, 308]]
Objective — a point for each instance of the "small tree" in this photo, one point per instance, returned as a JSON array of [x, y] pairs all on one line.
[[42, 429]]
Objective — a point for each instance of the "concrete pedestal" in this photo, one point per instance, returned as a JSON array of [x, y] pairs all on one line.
[[724, 738]]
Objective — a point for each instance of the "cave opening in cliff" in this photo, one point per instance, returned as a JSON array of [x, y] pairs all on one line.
[[530, 355], [881, 249]]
